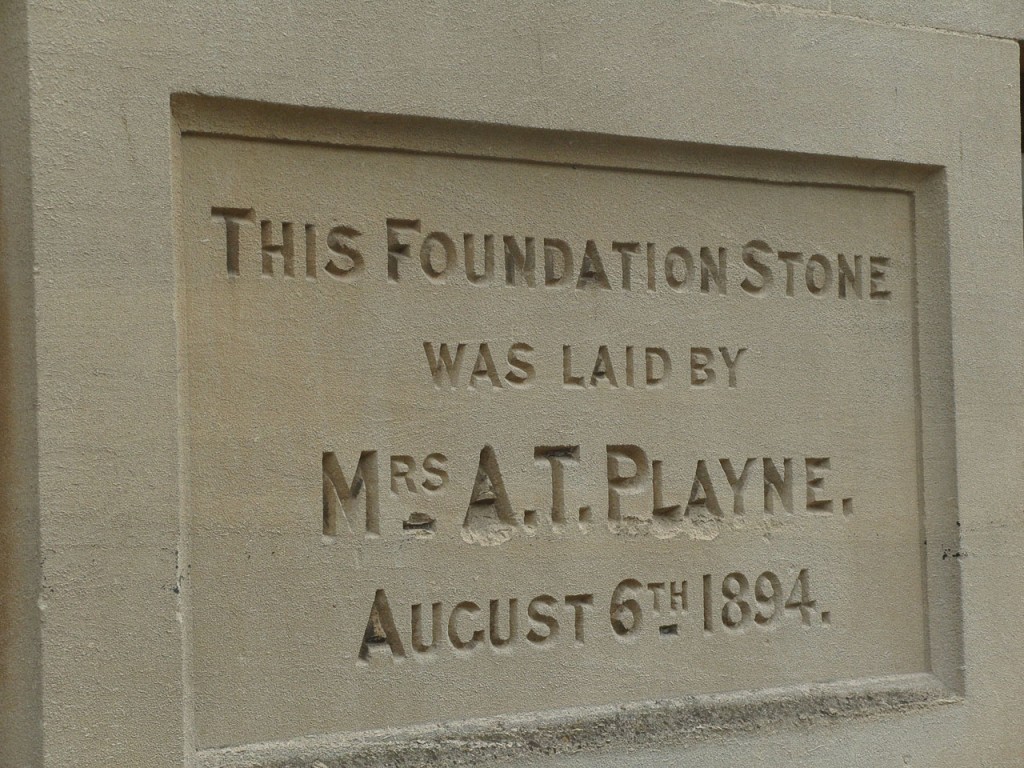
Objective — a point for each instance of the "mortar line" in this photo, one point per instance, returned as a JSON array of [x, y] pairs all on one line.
[[831, 14]]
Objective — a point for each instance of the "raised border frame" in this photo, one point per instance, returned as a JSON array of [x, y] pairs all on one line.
[[677, 720]]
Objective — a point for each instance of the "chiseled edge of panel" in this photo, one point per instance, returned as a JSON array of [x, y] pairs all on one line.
[[573, 731], [215, 117], [688, 719]]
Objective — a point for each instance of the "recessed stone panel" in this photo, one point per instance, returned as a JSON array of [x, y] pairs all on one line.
[[485, 423]]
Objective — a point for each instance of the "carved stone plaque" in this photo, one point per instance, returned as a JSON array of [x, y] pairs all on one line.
[[486, 423]]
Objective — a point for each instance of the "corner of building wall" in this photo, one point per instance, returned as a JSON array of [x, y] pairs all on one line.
[[21, 739]]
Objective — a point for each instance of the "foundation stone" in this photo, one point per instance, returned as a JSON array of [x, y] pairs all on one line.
[[475, 384]]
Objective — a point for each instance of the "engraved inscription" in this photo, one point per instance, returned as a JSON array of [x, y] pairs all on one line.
[[740, 604], [436, 257], [460, 425], [635, 492]]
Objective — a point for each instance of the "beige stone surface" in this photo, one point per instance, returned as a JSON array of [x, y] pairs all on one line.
[[181, 415]]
